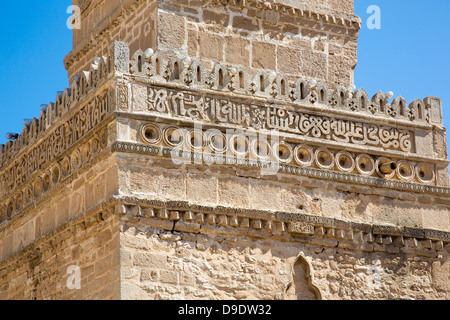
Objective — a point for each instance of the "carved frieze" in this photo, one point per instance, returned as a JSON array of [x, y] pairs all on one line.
[[182, 156], [309, 229], [55, 144], [234, 145], [258, 115], [43, 183]]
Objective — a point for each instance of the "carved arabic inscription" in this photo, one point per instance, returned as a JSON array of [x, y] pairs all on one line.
[[56, 143], [262, 116]]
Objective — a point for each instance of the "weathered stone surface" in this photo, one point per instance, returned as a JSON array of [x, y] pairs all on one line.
[[200, 28], [216, 151]]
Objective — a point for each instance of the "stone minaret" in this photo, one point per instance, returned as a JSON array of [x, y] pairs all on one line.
[[314, 39], [218, 150]]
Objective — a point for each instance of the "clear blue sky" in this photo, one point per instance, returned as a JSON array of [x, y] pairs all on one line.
[[409, 55], [34, 41]]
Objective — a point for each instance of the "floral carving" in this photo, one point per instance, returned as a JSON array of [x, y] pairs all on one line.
[[352, 105], [293, 95], [253, 87], [373, 107]]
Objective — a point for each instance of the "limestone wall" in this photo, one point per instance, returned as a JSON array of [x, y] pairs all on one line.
[[104, 21], [161, 179], [43, 269], [171, 265], [315, 39], [124, 177]]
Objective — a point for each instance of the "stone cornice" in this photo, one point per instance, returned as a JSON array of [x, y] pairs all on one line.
[[182, 216], [169, 70], [316, 173], [301, 10]]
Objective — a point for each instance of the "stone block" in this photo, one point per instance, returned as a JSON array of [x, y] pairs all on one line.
[[263, 55], [245, 23], [62, 210], [193, 42], [211, 45], [150, 274], [218, 21], [313, 64], [171, 30], [120, 56], [48, 219], [149, 260], [234, 192], [171, 277], [201, 188], [77, 203], [440, 144], [237, 50], [162, 183], [435, 218], [424, 143], [288, 60], [265, 195]]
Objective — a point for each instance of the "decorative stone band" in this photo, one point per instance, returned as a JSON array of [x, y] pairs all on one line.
[[181, 216], [17, 171], [213, 143], [343, 177], [188, 75], [43, 184], [167, 69], [259, 115]]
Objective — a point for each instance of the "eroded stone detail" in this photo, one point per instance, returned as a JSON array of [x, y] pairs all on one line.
[[301, 286], [314, 230], [136, 103], [57, 142], [42, 184], [259, 116]]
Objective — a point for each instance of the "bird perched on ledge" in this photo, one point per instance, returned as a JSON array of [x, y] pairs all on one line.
[[12, 136]]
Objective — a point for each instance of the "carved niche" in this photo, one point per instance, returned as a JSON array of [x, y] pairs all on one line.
[[301, 286]]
